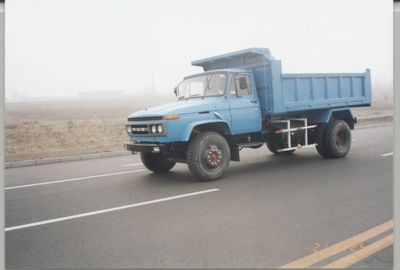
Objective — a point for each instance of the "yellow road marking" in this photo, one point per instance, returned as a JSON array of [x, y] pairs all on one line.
[[362, 253], [339, 247]]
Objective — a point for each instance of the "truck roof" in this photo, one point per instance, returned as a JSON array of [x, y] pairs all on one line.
[[233, 70], [227, 60]]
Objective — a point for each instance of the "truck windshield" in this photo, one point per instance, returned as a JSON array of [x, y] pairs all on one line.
[[203, 86]]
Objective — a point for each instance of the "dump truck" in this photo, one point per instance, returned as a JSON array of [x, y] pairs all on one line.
[[243, 100]]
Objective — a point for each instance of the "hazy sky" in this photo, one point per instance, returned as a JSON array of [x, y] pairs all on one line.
[[62, 47]]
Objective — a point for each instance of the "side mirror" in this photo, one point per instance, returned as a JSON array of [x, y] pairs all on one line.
[[176, 91]]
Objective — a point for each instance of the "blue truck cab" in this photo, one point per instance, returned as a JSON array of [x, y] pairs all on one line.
[[243, 100]]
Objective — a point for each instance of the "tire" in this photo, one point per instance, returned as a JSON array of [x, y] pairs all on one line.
[[208, 156], [274, 142], [337, 139], [156, 163], [320, 140]]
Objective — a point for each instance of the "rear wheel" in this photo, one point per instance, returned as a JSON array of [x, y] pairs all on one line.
[[275, 142], [208, 156], [338, 139], [320, 140], [156, 162]]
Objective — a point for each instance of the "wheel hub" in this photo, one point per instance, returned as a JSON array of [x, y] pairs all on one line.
[[213, 156], [337, 139], [340, 138]]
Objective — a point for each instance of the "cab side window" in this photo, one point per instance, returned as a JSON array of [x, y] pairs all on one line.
[[242, 85]]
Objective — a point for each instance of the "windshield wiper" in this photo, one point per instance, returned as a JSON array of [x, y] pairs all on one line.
[[187, 97]]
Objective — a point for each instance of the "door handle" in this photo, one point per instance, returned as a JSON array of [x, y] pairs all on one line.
[[253, 101]]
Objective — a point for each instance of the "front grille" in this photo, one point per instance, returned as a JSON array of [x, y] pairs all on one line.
[[145, 118], [140, 129], [146, 129]]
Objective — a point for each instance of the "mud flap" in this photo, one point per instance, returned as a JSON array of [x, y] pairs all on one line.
[[234, 152]]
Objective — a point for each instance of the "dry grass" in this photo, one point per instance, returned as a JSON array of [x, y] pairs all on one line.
[[48, 129]]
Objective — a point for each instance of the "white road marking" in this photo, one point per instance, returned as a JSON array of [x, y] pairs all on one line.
[[34, 224], [71, 179], [387, 154], [132, 164]]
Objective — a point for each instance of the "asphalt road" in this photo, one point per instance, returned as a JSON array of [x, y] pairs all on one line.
[[267, 211]]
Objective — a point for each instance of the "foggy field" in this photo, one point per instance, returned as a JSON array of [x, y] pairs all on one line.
[[99, 53], [60, 128], [50, 129]]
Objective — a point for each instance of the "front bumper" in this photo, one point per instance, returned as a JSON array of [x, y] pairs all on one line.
[[146, 147]]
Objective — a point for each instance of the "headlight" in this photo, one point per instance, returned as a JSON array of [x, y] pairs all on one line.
[[160, 129], [153, 129], [128, 129]]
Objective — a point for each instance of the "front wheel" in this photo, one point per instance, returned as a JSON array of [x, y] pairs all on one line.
[[156, 162], [208, 156]]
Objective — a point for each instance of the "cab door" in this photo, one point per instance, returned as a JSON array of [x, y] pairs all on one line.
[[244, 105]]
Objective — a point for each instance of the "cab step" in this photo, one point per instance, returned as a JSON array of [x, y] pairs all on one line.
[[250, 144]]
